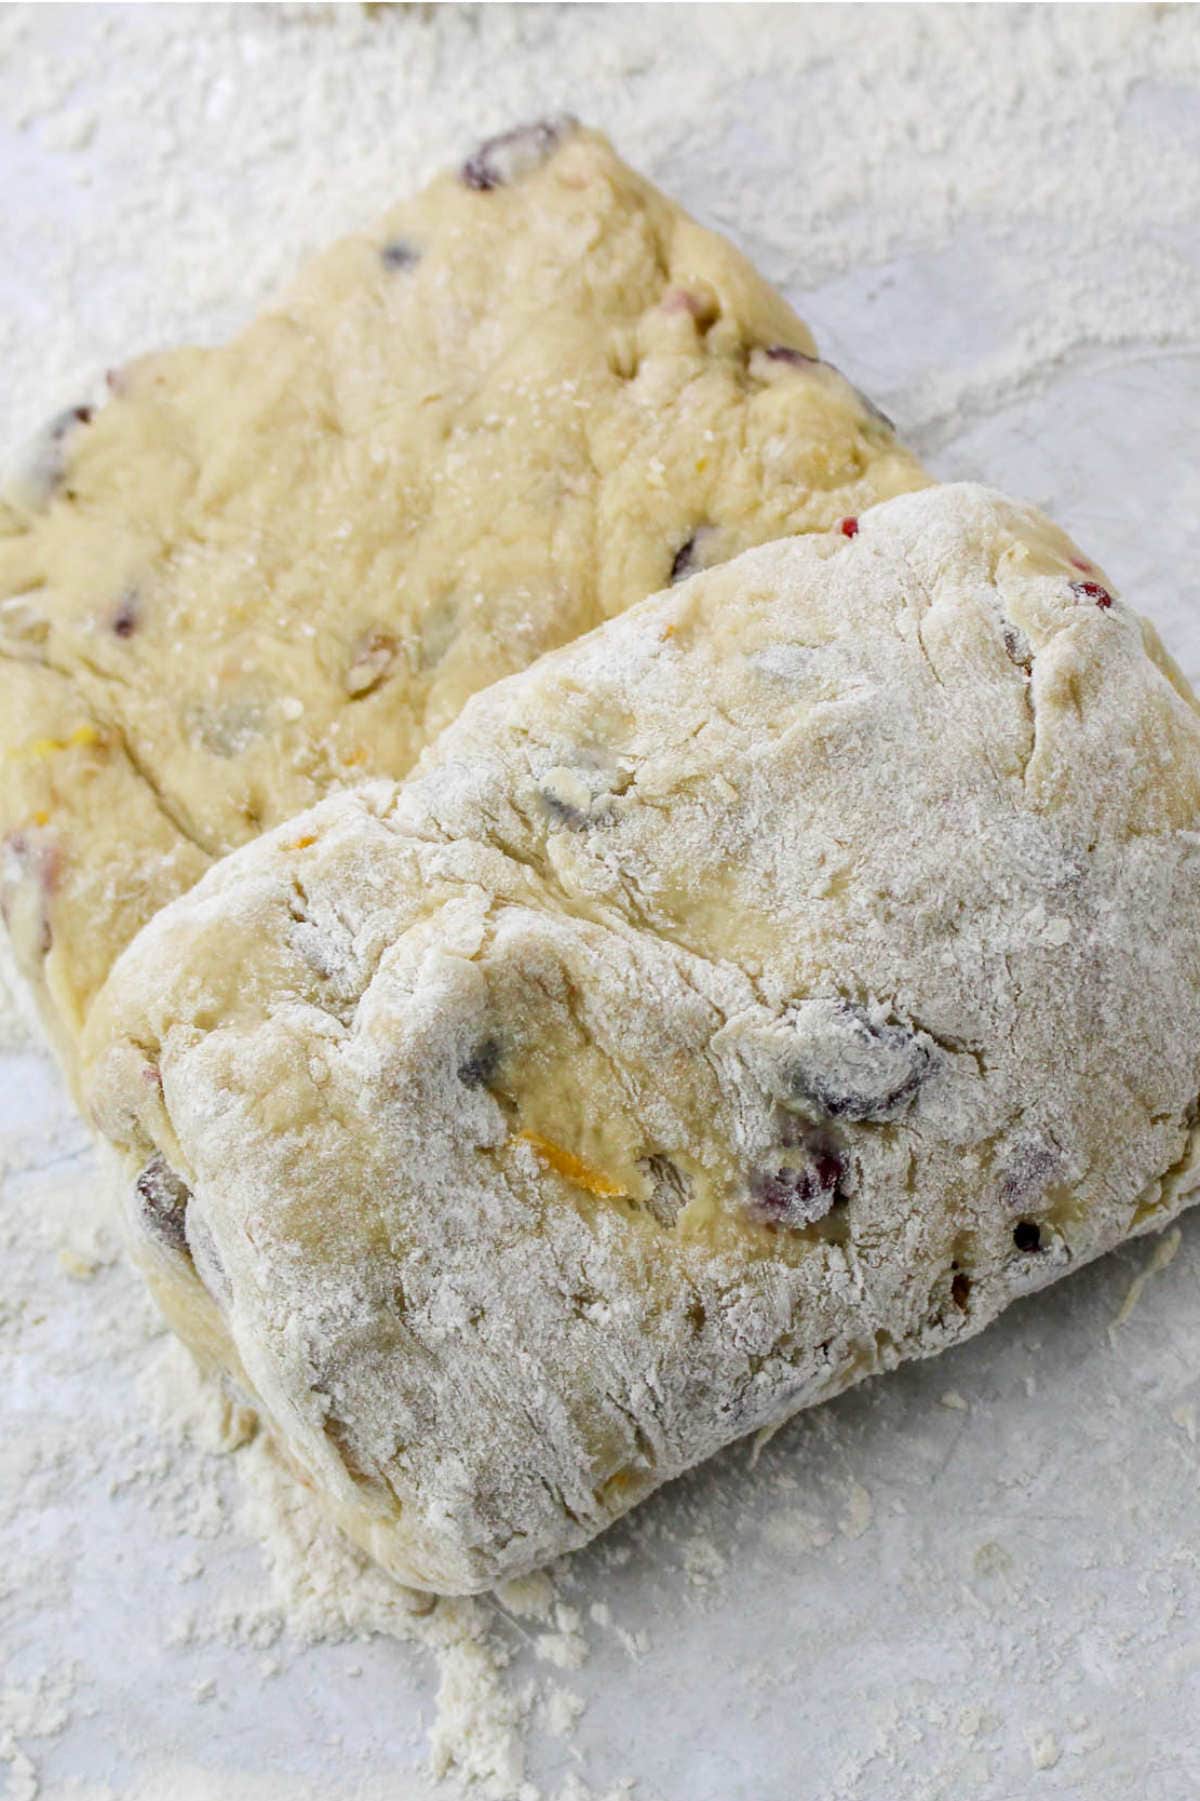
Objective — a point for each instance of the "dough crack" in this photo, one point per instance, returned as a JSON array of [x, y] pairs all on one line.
[[158, 794]]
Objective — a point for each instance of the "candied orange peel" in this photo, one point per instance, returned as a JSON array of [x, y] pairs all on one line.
[[566, 1163]]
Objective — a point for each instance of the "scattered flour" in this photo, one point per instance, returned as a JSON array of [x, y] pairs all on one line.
[[164, 201], [1043, 1749]]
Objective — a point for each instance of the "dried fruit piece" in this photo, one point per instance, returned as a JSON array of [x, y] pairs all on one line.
[[399, 254], [1017, 647], [163, 1198], [853, 1064], [127, 615], [567, 798], [1032, 1167], [506, 158], [848, 527], [798, 1195], [479, 1069]]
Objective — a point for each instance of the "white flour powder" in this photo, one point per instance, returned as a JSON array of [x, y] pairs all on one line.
[[177, 162], [166, 168]]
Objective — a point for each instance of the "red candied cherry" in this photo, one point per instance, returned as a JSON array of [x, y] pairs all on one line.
[[848, 527], [1092, 591]]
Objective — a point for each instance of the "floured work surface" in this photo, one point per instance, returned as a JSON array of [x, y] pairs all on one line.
[[974, 1577]]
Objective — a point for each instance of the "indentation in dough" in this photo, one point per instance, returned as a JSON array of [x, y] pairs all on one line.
[[698, 301], [691, 556], [372, 659], [669, 1189], [24, 628], [30, 865], [339, 1435]]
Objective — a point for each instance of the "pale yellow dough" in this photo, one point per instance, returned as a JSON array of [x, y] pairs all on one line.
[[464, 438], [766, 988]]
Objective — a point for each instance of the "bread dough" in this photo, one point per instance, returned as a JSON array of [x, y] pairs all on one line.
[[766, 988], [518, 405]]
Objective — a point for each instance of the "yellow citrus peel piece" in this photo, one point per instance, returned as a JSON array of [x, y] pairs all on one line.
[[566, 1163], [46, 747]]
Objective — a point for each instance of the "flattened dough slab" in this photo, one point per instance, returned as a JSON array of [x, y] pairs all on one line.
[[766, 988], [520, 404]]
